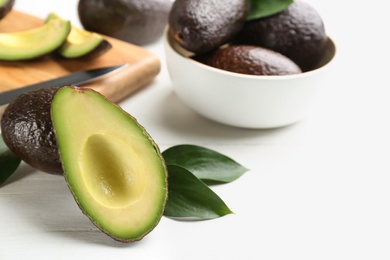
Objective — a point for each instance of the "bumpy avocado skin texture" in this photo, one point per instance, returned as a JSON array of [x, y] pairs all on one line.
[[252, 60], [202, 25], [28, 131], [136, 21], [6, 7], [297, 32], [113, 168]]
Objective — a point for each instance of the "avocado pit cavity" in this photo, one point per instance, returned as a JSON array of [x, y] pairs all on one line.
[[112, 171]]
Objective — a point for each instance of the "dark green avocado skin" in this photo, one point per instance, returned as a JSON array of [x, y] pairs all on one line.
[[252, 60], [203, 25], [6, 8], [28, 132], [136, 21], [297, 32]]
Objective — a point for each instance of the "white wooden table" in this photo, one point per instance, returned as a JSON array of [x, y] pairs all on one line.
[[318, 189]]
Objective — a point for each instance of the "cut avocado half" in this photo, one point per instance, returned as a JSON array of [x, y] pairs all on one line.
[[30, 44], [113, 167], [81, 43]]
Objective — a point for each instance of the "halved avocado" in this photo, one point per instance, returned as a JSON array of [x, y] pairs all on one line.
[[113, 167], [34, 43], [81, 43], [5, 7]]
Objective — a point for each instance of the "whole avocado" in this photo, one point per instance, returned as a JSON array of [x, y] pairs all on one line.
[[203, 25], [297, 32], [136, 21], [27, 130], [252, 60]]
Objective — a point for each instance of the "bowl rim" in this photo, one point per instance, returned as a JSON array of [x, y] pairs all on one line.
[[168, 41]]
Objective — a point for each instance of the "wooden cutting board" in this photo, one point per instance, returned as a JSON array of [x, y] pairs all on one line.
[[142, 66]]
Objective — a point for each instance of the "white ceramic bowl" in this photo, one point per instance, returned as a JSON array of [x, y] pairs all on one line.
[[241, 100]]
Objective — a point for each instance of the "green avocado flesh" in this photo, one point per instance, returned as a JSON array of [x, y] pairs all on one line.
[[113, 168], [80, 42], [34, 43]]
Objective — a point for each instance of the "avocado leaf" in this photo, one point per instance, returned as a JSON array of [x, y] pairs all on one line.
[[263, 8], [190, 198], [8, 162], [206, 164]]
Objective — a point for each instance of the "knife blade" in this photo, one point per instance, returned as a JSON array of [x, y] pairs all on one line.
[[76, 78]]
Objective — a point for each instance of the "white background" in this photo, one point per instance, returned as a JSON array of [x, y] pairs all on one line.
[[318, 189]]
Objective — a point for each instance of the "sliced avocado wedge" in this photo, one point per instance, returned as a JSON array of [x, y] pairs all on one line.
[[81, 43], [113, 167], [33, 43]]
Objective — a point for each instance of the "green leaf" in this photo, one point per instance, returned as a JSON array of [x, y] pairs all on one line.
[[190, 198], [208, 165], [8, 162], [263, 8]]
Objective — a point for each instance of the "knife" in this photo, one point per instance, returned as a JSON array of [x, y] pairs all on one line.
[[75, 78]]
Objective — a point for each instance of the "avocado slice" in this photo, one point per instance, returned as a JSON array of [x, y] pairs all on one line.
[[33, 43], [5, 7], [113, 167], [81, 43]]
